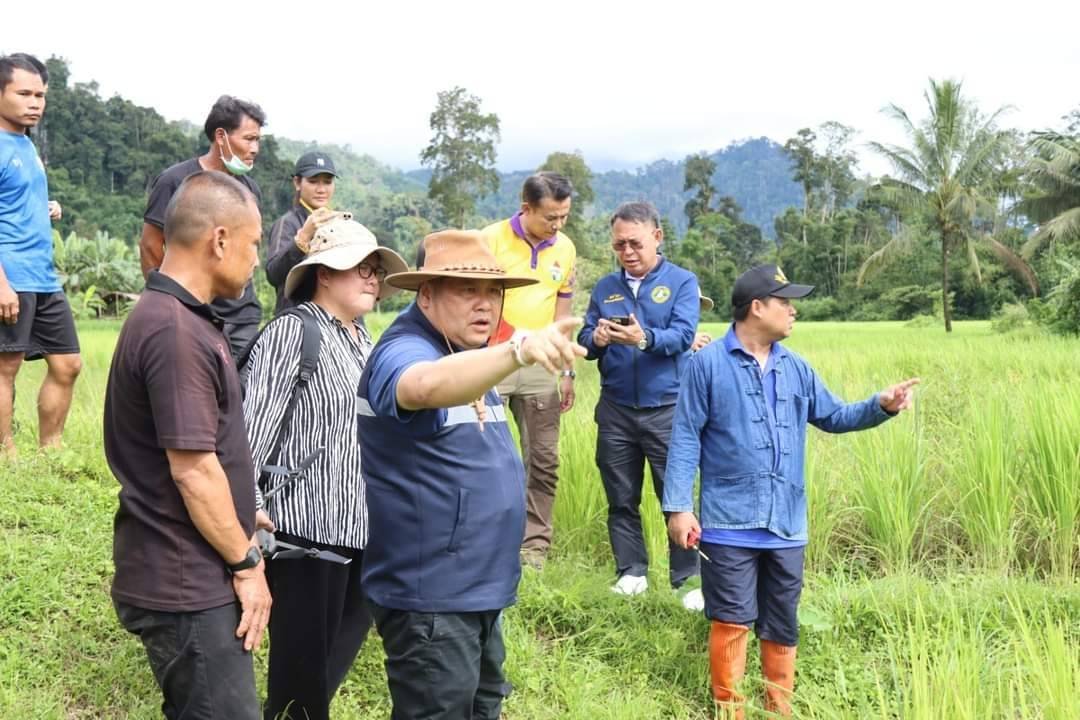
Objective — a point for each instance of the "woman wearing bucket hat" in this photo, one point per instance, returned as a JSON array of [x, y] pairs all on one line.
[[319, 620], [314, 179], [446, 487]]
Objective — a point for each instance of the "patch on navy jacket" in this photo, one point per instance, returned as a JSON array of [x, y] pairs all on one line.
[[613, 298], [660, 294]]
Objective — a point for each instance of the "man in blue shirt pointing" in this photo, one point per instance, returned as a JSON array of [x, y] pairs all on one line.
[[445, 485], [741, 417]]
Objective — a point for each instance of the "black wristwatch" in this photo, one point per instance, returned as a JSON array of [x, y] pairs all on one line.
[[253, 558]]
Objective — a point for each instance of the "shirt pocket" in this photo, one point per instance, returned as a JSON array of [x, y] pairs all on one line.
[[789, 501], [736, 500]]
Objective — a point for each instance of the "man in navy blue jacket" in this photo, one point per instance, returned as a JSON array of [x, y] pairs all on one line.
[[639, 326]]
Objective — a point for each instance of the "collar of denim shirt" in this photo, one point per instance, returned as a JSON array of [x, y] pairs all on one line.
[[732, 344]]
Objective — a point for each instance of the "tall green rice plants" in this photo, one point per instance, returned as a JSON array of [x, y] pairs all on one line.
[[894, 491], [1047, 668], [1052, 414], [987, 480], [829, 506], [580, 504], [941, 667], [952, 657]]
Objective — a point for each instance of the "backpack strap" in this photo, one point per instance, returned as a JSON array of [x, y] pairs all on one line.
[[309, 348], [310, 343]]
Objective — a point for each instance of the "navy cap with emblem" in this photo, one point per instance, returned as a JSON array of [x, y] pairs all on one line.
[[765, 281], [314, 163]]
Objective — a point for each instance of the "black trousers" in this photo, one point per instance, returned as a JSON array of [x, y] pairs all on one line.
[[443, 666], [197, 660], [626, 438], [317, 626]]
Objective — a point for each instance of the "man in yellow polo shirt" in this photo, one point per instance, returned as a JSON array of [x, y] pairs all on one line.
[[530, 243]]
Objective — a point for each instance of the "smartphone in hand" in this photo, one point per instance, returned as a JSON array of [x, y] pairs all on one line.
[[619, 319]]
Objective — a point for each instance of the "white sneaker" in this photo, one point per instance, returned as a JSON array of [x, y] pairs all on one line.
[[694, 600], [631, 585]]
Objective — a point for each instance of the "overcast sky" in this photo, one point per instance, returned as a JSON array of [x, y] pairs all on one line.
[[624, 82]]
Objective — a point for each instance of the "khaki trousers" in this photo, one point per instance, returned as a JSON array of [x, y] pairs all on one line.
[[533, 396]]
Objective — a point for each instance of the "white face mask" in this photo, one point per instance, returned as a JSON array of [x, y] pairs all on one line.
[[234, 164]]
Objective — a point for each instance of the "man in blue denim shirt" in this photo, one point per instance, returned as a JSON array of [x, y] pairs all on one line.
[[741, 416]]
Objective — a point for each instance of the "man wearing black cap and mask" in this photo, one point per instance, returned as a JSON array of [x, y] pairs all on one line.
[[741, 417], [313, 180], [234, 131]]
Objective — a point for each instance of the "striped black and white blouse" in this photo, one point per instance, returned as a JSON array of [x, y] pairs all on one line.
[[326, 505]]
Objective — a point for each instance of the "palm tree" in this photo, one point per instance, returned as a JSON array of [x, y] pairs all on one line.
[[1054, 200], [947, 174]]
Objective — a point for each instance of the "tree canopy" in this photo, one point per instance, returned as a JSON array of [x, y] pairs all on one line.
[[461, 153]]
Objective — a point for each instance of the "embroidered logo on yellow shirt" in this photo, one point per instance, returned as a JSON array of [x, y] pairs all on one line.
[[660, 294], [556, 271], [779, 276], [614, 298]]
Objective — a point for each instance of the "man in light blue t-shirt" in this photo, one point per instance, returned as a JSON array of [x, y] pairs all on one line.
[[35, 318]]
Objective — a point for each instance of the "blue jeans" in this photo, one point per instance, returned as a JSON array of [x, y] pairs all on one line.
[[198, 662]]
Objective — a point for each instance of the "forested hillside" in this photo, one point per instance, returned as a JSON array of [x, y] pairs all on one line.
[[976, 219]]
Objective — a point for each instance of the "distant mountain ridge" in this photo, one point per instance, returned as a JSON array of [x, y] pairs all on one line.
[[102, 154], [756, 172]]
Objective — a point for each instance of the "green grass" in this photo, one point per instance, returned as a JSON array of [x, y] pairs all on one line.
[[989, 486], [941, 572]]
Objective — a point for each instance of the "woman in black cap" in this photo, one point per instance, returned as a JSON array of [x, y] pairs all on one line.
[[313, 179]]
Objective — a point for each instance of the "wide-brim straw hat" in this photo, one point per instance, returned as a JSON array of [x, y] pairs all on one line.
[[457, 254], [343, 243]]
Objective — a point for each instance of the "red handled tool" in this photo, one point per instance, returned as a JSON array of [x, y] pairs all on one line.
[[693, 540]]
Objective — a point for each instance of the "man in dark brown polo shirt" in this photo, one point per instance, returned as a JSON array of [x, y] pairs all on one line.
[[189, 577]]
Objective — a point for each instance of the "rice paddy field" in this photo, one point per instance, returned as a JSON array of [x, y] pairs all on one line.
[[941, 580]]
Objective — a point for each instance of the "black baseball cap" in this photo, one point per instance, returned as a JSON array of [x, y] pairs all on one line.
[[314, 163], [765, 281]]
